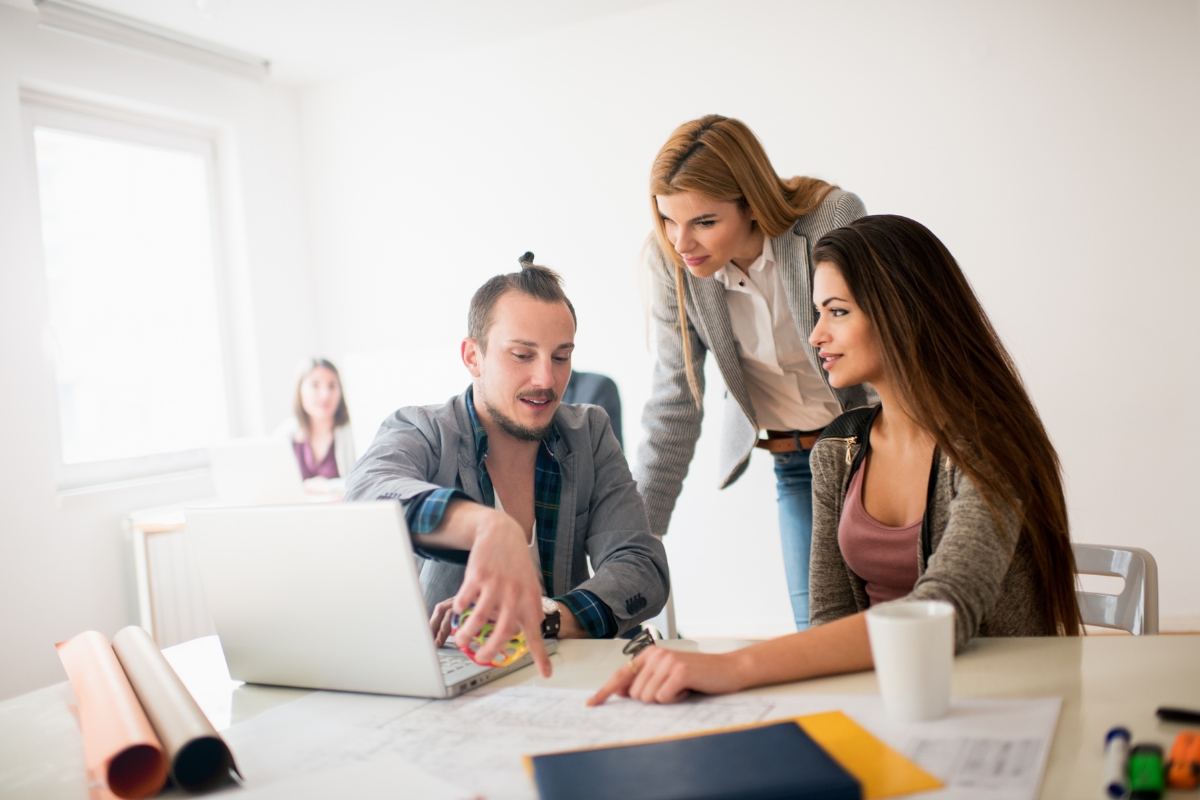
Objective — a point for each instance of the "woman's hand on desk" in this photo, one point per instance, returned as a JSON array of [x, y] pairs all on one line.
[[659, 675], [332, 490]]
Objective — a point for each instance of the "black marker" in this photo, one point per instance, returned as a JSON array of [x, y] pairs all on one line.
[[1178, 715]]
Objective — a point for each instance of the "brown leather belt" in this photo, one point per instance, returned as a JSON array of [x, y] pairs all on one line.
[[788, 441]]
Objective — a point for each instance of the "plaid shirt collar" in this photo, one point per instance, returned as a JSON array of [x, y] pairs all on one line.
[[547, 489]]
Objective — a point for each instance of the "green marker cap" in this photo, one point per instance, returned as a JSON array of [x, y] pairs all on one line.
[[1146, 772]]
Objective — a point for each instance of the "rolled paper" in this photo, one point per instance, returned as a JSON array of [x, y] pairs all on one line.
[[119, 744], [199, 758]]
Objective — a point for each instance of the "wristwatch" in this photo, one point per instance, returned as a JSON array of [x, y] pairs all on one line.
[[553, 620]]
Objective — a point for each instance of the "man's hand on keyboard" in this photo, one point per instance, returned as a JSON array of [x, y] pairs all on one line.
[[439, 623], [499, 579]]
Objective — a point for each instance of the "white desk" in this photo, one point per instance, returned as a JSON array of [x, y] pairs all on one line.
[[1103, 680]]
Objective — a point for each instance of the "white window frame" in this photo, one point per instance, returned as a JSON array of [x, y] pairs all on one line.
[[44, 109]]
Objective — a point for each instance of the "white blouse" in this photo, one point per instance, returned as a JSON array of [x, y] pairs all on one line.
[[784, 387]]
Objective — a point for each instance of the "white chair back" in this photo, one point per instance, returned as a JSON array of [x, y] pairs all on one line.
[[1135, 609], [664, 623]]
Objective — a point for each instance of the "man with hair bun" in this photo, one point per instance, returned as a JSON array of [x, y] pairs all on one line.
[[509, 493]]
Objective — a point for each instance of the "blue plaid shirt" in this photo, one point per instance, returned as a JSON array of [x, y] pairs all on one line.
[[425, 511]]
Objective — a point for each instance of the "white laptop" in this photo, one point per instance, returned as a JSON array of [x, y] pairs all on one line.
[[256, 471], [325, 597]]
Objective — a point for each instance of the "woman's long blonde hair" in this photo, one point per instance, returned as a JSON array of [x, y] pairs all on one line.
[[722, 159]]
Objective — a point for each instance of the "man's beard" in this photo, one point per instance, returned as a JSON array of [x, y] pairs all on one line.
[[515, 429]]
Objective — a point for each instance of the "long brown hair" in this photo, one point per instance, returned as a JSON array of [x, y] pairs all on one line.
[[340, 417], [722, 159], [955, 378]]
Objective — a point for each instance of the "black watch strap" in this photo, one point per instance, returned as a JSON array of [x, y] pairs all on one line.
[[551, 624]]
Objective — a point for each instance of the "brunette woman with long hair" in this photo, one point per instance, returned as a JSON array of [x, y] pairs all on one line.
[[730, 261], [948, 489], [320, 431]]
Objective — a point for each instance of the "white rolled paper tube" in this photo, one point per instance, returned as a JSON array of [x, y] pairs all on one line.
[[912, 644]]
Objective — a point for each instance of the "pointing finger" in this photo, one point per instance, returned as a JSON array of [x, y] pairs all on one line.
[[618, 684]]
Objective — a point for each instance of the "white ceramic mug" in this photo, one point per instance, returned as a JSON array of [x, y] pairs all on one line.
[[912, 645]]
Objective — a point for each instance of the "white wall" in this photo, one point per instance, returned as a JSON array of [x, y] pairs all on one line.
[[1053, 147], [63, 561]]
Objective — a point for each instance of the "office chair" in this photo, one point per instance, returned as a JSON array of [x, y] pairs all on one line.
[[664, 623], [1135, 609], [600, 390]]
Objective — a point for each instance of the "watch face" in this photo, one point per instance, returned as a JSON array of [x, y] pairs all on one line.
[[549, 606]]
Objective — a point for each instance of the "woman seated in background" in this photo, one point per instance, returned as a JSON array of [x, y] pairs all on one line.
[[320, 431], [949, 489]]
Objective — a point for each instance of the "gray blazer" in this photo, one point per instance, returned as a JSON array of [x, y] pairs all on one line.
[[671, 419], [601, 516]]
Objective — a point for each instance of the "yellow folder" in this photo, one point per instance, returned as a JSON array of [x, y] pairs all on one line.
[[881, 770]]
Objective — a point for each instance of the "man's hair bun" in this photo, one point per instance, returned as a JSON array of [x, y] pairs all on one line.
[[533, 280]]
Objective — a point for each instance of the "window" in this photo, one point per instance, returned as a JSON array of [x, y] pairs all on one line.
[[132, 258]]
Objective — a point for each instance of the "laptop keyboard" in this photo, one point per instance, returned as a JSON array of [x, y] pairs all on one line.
[[453, 662]]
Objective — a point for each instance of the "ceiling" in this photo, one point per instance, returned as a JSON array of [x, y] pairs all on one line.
[[313, 40]]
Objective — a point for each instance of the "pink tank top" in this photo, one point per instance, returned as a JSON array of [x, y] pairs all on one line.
[[309, 467], [883, 556]]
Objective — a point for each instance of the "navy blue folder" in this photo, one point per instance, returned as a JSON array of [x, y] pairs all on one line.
[[767, 763]]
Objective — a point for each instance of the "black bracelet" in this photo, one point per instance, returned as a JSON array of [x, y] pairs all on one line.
[[638, 643]]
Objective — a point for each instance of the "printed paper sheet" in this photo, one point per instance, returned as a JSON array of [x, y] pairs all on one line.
[[985, 749]]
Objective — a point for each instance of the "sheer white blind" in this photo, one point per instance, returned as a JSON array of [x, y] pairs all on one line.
[[132, 267]]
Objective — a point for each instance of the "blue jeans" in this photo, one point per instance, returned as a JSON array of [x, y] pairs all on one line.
[[794, 488]]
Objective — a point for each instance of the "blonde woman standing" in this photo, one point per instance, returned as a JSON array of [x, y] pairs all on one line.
[[731, 261]]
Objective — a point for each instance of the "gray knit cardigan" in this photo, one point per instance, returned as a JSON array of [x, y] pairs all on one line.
[[974, 564]]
